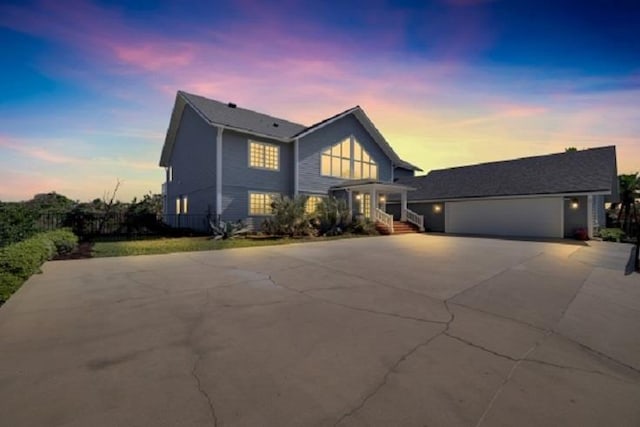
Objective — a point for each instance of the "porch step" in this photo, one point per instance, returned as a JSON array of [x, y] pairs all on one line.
[[399, 227]]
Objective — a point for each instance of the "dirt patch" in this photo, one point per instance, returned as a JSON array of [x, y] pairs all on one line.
[[84, 250]]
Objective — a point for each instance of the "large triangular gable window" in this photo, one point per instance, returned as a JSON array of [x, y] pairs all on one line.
[[347, 159]]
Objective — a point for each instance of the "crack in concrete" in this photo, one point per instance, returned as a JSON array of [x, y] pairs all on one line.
[[203, 392], [535, 361], [508, 378], [479, 347], [351, 307], [196, 323], [393, 368], [598, 353]]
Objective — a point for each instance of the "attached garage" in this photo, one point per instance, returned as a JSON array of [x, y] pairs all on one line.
[[553, 196], [532, 217]]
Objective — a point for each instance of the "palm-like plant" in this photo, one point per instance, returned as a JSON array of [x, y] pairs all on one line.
[[289, 217], [332, 216], [629, 191]]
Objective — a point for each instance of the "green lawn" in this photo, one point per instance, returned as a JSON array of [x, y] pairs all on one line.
[[186, 244]]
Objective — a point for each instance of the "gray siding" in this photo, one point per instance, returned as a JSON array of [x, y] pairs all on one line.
[[575, 218], [238, 179], [193, 161], [311, 146], [402, 173], [433, 221]]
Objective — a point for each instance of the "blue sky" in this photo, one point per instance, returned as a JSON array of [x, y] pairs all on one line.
[[87, 87]]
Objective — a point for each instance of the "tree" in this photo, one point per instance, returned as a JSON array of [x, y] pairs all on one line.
[[629, 191], [570, 149]]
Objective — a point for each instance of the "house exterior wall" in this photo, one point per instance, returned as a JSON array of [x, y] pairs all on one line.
[[193, 162], [312, 145], [575, 218], [433, 221], [402, 173], [238, 179], [527, 217]]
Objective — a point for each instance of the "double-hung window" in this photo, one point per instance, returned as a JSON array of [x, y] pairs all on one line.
[[264, 156]]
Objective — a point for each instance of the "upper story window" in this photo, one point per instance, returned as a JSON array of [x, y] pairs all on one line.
[[264, 156], [347, 159], [169, 173]]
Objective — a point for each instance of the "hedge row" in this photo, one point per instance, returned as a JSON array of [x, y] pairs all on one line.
[[20, 260]]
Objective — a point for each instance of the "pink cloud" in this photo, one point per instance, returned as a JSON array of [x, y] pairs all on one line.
[[39, 153]]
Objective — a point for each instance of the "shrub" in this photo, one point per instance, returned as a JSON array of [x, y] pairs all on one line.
[[332, 217], [20, 260], [362, 225], [611, 234], [63, 239], [289, 217], [17, 222]]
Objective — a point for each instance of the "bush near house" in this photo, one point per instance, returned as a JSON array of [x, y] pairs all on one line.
[[20, 260], [611, 234]]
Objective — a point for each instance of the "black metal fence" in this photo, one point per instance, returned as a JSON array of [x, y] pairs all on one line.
[[124, 225]]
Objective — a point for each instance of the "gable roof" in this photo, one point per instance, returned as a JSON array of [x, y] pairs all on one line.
[[232, 117], [586, 171]]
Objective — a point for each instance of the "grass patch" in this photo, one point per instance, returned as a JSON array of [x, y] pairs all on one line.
[[189, 244]]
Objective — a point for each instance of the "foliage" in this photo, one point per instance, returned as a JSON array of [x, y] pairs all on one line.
[[228, 230], [289, 217], [611, 234], [570, 149], [362, 225], [63, 239], [20, 260], [629, 190], [332, 217], [17, 222], [53, 202]]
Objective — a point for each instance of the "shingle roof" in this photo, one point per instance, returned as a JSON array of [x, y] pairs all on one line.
[[241, 118], [591, 170], [218, 113]]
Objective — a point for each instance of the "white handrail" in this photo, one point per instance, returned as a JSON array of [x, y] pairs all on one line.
[[385, 218], [415, 219]]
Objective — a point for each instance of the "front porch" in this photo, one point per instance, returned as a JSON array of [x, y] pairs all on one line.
[[369, 199]]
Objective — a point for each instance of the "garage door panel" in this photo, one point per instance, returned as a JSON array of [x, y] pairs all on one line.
[[539, 217]]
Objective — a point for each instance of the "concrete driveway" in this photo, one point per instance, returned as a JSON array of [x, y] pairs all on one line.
[[407, 330]]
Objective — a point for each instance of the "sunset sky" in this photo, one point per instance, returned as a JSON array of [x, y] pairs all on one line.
[[87, 87]]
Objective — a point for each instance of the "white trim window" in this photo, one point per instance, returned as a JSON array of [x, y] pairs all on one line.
[[264, 156], [260, 203], [349, 160]]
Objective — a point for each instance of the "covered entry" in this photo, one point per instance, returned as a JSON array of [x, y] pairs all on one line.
[[369, 198]]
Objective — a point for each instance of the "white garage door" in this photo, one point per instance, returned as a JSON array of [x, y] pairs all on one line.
[[538, 217]]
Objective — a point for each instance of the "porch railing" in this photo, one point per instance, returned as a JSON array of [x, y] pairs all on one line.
[[415, 219], [384, 218]]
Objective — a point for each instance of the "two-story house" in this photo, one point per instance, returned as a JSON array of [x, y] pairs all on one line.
[[227, 163]]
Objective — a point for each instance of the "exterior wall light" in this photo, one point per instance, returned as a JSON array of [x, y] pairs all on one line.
[[382, 199], [574, 204], [358, 196], [437, 208]]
